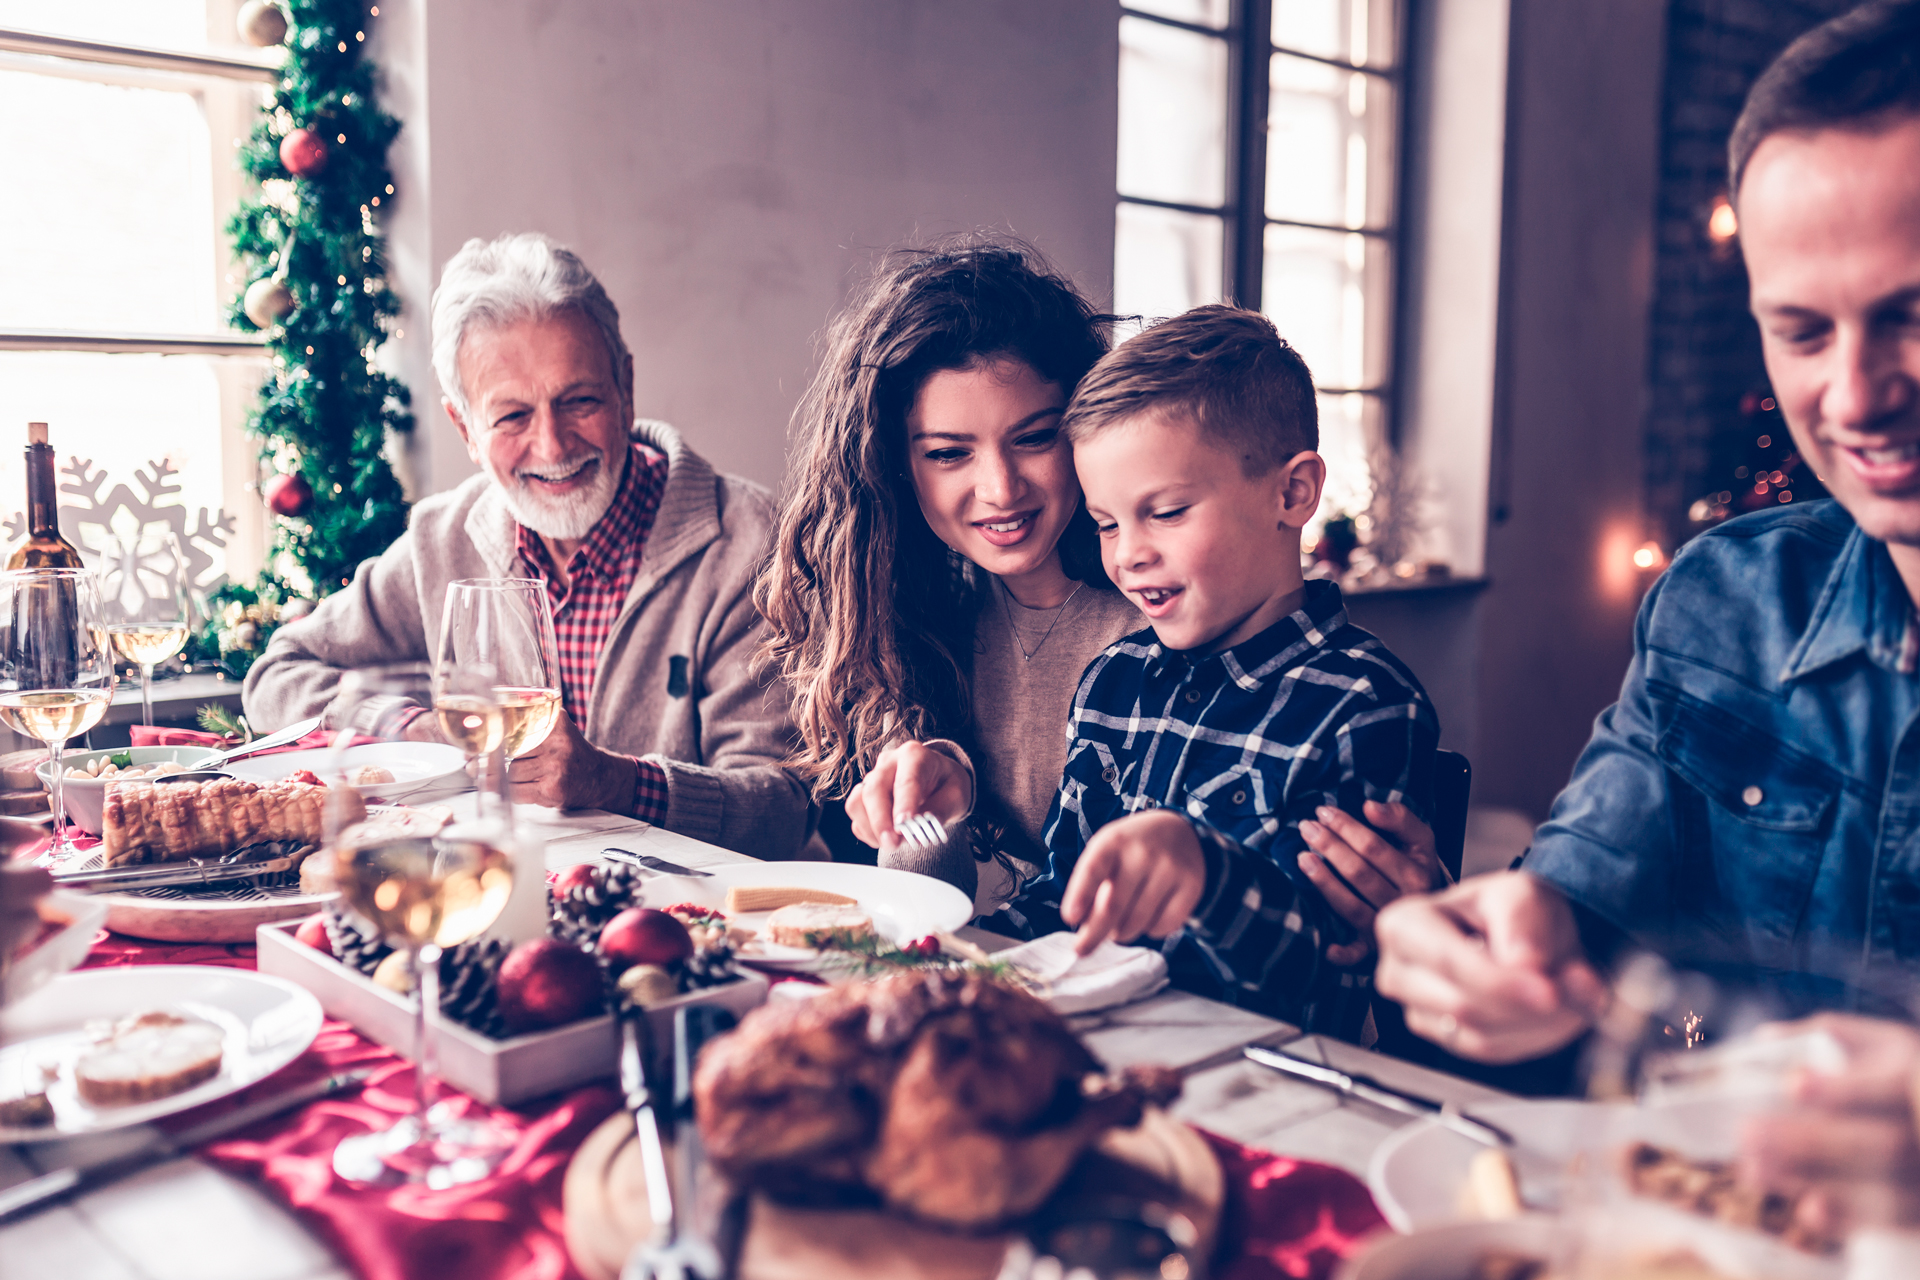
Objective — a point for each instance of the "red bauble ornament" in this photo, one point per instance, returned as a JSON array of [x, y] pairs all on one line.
[[641, 935], [304, 152], [545, 983], [313, 932], [288, 495], [577, 876]]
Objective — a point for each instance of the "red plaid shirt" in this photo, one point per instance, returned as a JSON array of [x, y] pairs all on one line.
[[599, 576]]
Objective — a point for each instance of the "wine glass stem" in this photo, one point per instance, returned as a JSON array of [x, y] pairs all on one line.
[[58, 797], [426, 1057], [146, 692]]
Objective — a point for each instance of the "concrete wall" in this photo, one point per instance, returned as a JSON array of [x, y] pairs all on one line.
[[730, 170]]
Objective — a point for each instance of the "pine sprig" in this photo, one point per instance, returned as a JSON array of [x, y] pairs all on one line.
[[326, 410], [874, 957], [215, 718]]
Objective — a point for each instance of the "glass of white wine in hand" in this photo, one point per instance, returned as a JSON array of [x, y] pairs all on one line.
[[144, 590], [424, 893], [506, 624], [56, 673]]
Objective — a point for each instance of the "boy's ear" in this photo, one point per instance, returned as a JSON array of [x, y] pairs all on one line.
[[1297, 485]]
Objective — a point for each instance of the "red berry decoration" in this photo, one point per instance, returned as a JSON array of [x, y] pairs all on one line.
[[313, 932], [545, 983], [304, 152], [641, 935], [288, 495]]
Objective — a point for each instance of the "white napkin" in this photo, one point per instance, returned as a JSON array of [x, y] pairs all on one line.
[[1110, 976]]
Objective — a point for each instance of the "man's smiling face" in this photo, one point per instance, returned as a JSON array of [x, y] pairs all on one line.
[[546, 419], [1830, 225]]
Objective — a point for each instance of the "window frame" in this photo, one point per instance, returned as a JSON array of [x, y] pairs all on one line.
[[1249, 39]]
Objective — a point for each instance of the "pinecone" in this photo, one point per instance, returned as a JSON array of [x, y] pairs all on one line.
[[470, 986], [708, 967], [578, 913], [359, 950]]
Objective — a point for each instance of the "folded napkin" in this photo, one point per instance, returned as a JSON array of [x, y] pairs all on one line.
[[1110, 975]]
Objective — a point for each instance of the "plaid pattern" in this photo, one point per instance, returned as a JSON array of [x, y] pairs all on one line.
[[599, 576], [1246, 743]]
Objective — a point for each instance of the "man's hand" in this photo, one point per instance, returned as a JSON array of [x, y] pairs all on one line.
[[568, 772], [1491, 970], [1142, 874], [1374, 870], [1847, 1140], [909, 778]]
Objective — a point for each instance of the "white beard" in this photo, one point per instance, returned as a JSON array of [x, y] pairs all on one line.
[[569, 518]]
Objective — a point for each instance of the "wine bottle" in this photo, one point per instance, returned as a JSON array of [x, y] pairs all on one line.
[[43, 548]]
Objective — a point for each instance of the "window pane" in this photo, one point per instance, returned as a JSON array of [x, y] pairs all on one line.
[[1349, 427], [1164, 261], [1173, 114], [118, 413], [1204, 13], [1329, 145], [122, 234], [1328, 292], [1356, 31], [159, 24]]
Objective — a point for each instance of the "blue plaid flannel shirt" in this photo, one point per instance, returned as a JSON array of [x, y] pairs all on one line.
[[1246, 743]]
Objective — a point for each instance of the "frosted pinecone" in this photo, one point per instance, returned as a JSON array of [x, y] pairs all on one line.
[[356, 947], [578, 913], [470, 985]]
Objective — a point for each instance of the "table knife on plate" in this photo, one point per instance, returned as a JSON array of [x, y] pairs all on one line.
[[1366, 1087]]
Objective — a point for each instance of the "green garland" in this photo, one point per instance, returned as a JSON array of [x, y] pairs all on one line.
[[325, 412]]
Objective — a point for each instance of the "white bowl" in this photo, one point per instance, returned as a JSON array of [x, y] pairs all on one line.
[[85, 798]]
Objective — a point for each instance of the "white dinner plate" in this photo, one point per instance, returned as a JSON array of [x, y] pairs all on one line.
[[268, 1023], [416, 767], [905, 906]]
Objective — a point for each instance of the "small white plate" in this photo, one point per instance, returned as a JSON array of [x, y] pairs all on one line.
[[268, 1023], [904, 906], [416, 767]]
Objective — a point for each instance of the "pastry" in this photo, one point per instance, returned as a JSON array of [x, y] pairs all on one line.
[[371, 775], [148, 1056], [163, 821], [816, 924]]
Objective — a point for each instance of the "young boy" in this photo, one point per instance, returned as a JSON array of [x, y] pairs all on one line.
[[1198, 746]]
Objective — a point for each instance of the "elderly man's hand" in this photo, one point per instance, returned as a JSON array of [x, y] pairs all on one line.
[[1847, 1140], [568, 772]]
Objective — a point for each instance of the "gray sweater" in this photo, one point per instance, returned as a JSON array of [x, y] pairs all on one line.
[[674, 684]]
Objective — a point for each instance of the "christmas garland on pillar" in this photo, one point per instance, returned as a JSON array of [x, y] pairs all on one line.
[[316, 286]]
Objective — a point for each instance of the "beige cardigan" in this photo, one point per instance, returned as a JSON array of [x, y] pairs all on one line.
[[719, 732]]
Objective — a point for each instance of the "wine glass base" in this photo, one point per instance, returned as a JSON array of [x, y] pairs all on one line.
[[444, 1152]]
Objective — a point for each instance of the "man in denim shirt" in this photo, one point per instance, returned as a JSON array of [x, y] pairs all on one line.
[[1754, 796]]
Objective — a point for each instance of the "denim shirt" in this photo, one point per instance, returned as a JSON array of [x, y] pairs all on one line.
[[1753, 798]]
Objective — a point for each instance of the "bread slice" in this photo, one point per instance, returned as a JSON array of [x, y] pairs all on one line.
[[148, 1056], [818, 924], [743, 897]]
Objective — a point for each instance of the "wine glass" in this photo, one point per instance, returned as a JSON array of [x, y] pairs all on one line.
[[507, 624], [144, 595], [424, 893], [56, 674]]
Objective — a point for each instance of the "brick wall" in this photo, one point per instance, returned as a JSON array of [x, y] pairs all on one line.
[[1707, 405]]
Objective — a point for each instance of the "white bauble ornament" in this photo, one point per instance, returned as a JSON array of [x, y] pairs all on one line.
[[267, 300], [262, 23]]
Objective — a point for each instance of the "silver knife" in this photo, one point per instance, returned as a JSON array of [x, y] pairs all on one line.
[[650, 863], [1366, 1087], [170, 874], [36, 1192]]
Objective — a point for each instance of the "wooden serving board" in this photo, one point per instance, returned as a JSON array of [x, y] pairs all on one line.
[[605, 1199]]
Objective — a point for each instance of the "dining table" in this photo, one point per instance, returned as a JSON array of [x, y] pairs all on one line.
[[197, 1217]]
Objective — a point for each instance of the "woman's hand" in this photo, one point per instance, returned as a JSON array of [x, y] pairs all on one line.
[[1374, 870], [909, 778]]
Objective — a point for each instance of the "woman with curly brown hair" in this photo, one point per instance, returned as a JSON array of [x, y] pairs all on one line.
[[935, 591]]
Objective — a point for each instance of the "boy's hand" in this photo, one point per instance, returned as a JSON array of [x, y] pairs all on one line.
[[909, 778], [1143, 874], [1374, 871]]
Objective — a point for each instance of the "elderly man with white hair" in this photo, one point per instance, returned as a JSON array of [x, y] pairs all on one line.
[[647, 553]]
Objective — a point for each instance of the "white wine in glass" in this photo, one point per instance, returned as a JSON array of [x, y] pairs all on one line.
[[506, 625], [144, 590], [56, 669]]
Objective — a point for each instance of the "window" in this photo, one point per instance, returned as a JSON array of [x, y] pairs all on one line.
[[1257, 161], [117, 128]]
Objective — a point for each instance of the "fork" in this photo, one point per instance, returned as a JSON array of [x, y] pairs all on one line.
[[921, 832], [669, 1252]]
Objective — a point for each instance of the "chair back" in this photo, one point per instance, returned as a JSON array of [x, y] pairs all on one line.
[[1452, 783]]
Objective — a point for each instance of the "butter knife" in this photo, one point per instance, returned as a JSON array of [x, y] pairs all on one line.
[[48, 1187], [1371, 1090], [648, 862]]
